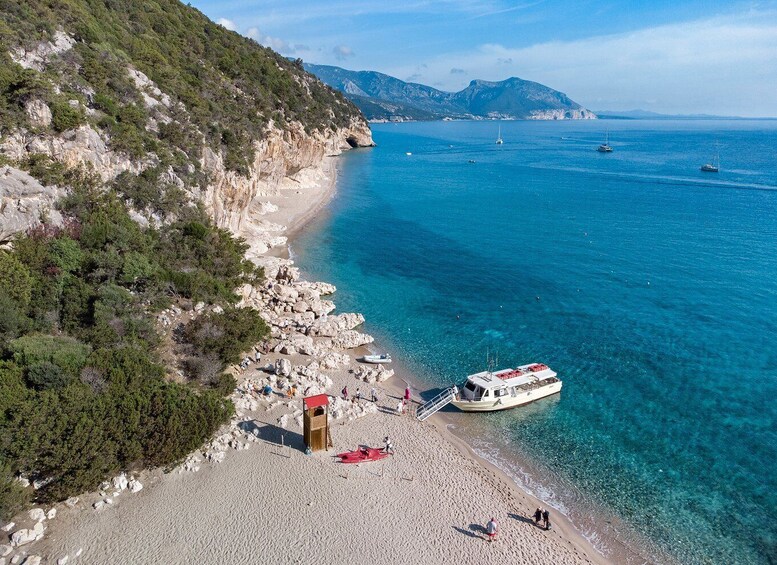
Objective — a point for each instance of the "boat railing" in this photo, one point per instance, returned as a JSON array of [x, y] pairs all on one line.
[[437, 403]]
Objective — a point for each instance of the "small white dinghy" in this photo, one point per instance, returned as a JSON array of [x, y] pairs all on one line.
[[385, 358]]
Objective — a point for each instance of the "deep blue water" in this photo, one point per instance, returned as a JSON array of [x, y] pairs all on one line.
[[649, 286]]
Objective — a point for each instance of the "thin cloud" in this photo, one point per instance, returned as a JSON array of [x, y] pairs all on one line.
[[342, 52], [506, 10], [455, 71], [229, 24], [275, 43]]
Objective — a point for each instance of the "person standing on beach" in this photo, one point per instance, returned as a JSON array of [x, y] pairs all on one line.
[[344, 392], [537, 516], [358, 395], [374, 395], [492, 528], [400, 407], [389, 447], [407, 393], [546, 518]]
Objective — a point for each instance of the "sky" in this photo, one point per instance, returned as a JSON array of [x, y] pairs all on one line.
[[674, 57]]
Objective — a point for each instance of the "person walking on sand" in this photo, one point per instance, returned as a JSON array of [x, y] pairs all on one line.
[[546, 518], [374, 395], [537, 516], [358, 395], [492, 528], [389, 447]]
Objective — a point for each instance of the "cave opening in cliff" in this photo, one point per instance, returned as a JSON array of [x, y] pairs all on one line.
[[352, 141]]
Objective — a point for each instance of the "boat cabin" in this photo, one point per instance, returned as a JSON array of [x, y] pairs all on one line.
[[488, 385]]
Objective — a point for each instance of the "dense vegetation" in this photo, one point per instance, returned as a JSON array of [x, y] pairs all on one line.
[[82, 392], [228, 87]]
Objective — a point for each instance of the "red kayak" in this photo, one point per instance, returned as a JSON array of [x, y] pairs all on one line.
[[362, 455]]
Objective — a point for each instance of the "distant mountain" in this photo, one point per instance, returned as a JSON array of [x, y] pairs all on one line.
[[648, 115], [382, 97]]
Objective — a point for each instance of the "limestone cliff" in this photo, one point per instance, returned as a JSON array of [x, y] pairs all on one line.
[[289, 155]]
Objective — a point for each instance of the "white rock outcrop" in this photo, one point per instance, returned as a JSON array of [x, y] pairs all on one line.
[[38, 113], [38, 56], [24, 201]]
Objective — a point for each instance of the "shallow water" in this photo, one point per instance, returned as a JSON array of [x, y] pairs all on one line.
[[649, 286]]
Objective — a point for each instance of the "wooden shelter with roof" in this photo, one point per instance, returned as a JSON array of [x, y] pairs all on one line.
[[315, 422]]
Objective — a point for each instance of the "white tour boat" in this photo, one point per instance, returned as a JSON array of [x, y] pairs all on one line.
[[488, 391], [385, 358]]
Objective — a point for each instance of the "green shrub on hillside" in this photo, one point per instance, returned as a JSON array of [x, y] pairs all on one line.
[[226, 335], [15, 280], [65, 117]]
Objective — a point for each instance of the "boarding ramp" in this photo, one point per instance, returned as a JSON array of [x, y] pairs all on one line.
[[438, 402]]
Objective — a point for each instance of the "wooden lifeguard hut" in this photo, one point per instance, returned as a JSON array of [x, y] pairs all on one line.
[[315, 422]]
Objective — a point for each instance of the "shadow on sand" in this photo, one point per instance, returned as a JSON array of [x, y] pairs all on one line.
[[273, 434], [525, 519], [473, 531]]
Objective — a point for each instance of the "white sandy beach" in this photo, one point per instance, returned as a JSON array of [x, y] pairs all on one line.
[[265, 503]]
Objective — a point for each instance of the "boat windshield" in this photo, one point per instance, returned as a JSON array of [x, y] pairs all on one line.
[[470, 385]]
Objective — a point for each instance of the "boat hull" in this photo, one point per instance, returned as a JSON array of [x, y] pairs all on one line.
[[376, 360], [507, 402]]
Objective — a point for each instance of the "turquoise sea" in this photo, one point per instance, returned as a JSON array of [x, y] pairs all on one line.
[[649, 286]]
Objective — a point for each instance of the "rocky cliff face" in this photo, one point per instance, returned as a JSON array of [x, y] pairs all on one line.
[[282, 158]]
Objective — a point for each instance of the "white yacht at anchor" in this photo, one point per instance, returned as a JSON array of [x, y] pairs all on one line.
[[489, 391]]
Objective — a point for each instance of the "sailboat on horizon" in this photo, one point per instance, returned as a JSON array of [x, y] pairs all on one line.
[[499, 140], [605, 147], [713, 166]]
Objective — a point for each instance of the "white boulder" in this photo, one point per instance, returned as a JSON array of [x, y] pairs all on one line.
[[120, 482], [351, 339], [37, 514], [23, 537], [283, 367], [135, 486]]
